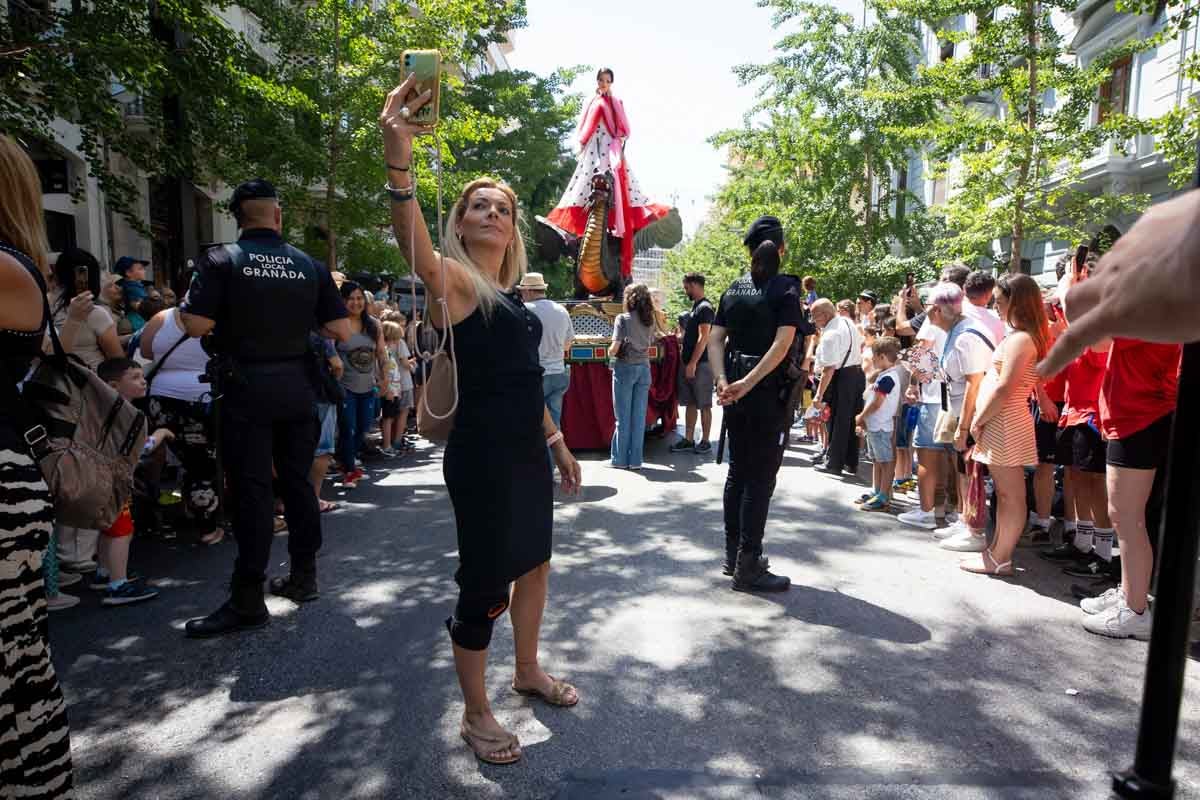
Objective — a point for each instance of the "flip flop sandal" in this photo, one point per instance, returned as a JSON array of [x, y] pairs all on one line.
[[998, 569], [558, 691], [484, 746], [327, 506]]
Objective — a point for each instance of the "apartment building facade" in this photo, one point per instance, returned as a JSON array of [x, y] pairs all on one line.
[[1145, 85]]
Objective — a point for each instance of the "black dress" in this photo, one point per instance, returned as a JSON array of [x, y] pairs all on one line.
[[496, 464], [35, 747]]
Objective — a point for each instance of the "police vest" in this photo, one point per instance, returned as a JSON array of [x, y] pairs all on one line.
[[271, 303], [749, 321]]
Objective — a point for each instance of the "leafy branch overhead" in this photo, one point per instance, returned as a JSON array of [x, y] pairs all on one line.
[[290, 91]]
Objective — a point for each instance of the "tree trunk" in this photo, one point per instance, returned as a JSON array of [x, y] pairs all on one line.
[[334, 128], [1027, 159]]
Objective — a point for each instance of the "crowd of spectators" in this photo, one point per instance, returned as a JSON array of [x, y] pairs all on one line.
[[1069, 466], [122, 324]]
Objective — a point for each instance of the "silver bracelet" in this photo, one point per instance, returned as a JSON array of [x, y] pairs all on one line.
[[400, 195]]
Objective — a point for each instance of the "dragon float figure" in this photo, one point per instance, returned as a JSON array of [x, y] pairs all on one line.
[[603, 207]]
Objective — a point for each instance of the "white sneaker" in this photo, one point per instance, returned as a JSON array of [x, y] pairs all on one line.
[[952, 529], [1119, 622], [1098, 605], [60, 601], [965, 542], [919, 519]]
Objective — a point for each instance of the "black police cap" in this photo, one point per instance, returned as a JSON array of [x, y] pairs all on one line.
[[258, 188], [764, 228]]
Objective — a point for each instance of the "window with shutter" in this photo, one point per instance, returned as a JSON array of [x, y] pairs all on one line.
[[1114, 93]]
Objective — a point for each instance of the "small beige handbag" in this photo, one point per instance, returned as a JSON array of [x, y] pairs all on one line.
[[441, 395]]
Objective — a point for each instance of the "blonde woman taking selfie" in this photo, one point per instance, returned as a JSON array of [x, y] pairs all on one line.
[[495, 465]]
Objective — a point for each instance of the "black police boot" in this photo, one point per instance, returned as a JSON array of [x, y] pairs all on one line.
[[300, 586], [752, 575], [731, 553], [243, 611]]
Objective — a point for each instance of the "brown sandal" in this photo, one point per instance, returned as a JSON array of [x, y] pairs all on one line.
[[558, 691], [485, 746]]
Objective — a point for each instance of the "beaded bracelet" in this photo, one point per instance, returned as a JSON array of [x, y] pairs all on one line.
[[554, 438]]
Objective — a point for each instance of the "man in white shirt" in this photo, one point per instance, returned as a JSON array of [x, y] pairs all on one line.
[[842, 384], [557, 335], [978, 288]]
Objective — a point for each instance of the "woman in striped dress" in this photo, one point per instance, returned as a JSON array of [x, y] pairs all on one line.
[[35, 747], [1003, 428]]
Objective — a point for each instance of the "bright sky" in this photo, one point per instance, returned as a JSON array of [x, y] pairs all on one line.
[[674, 62]]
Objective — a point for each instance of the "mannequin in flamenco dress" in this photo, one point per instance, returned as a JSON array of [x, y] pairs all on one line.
[[603, 130]]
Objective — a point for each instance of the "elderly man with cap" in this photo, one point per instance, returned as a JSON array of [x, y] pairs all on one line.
[[557, 335], [841, 385], [758, 317], [260, 298]]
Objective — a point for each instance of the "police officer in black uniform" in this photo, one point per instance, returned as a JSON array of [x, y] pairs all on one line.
[[758, 317], [260, 298]]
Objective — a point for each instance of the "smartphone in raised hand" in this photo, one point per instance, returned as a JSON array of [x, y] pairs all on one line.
[[1081, 255], [426, 65]]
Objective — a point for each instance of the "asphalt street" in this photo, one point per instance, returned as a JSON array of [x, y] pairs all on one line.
[[884, 673]]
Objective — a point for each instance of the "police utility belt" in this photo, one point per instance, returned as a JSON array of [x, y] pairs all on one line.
[[738, 365]]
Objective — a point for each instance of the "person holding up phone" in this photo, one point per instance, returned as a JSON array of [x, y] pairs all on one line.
[[495, 462]]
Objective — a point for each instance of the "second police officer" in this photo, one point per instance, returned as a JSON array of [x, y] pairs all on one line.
[[758, 318], [260, 298]]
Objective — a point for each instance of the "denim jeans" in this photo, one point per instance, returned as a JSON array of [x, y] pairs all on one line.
[[631, 392], [356, 418], [554, 388]]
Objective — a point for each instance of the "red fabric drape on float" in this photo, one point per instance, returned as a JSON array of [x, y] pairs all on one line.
[[664, 385], [588, 421]]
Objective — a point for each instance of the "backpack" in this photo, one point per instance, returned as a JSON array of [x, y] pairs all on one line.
[[85, 437]]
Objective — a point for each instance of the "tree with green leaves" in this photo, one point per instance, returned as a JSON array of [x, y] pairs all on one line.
[[1013, 128], [114, 67], [342, 57], [529, 150], [817, 150]]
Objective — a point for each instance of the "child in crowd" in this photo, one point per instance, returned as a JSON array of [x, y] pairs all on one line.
[[399, 397], [905, 422], [133, 290], [869, 336], [111, 577], [878, 419]]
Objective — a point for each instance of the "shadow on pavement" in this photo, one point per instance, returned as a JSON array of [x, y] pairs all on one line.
[[688, 689], [837, 610]]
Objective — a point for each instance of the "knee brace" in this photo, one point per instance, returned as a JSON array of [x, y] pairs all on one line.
[[475, 615]]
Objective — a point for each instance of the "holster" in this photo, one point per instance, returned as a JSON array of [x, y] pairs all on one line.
[[739, 365]]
